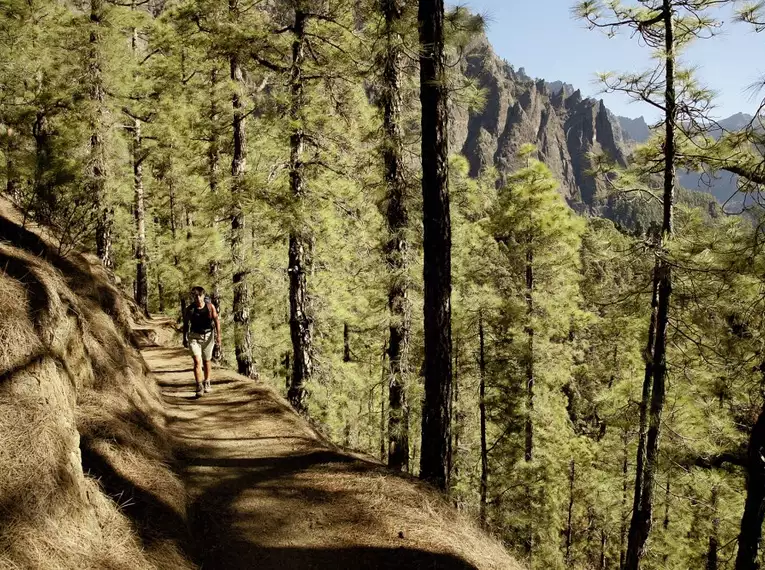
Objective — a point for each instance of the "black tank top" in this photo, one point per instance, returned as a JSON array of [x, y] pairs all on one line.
[[200, 319]]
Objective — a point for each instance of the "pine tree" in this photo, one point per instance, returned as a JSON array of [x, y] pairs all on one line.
[[436, 246], [666, 26]]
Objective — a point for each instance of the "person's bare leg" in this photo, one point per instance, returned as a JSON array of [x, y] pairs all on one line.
[[198, 373], [208, 368]]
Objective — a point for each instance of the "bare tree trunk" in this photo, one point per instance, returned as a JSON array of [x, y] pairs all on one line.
[[213, 159], [385, 373], [213, 150], [141, 258], [346, 343], [640, 526], [12, 182], [529, 451], [97, 173], [482, 410], [754, 505], [603, 538], [241, 305], [569, 528], [436, 245], [44, 199], [623, 513], [301, 320], [715, 536], [456, 417], [396, 248], [161, 294]]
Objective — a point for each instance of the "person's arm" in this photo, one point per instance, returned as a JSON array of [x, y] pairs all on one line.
[[185, 328], [217, 323]]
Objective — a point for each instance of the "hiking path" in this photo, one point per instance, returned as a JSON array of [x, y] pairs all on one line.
[[268, 492]]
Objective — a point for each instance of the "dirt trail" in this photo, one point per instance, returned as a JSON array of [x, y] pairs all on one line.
[[267, 492]]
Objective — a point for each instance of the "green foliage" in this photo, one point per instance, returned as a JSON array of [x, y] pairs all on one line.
[[587, 304]]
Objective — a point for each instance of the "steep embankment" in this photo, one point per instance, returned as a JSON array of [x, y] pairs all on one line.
[[85, 480], [265, 487], [87, 443]]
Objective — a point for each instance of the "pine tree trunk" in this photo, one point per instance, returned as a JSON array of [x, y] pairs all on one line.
[[623, 513], [715, 536], [241, 305], [529, 450], [139, 209], [569, 528], [173, 222], [161, 294], [12, 182], [603, 538], [44, 203], [213, 158], [640, 526], [436, 245], [346, 343], [754, 505], [385, 375], [301, 321], [482, 411], [396, 248], [456, 418], [213, 151], [97, 175]]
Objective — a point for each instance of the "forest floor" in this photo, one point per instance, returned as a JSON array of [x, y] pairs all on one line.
[[266, 491]]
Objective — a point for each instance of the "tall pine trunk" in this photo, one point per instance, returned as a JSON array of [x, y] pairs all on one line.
[[301, 321], [44, 198], [529, 447], [482, 411], [213, 174], [437, 277], [570, 518], [754, 505], [640, 525], [97, 174], [241, 308], [396, 249], [139, 209], [714, 537]]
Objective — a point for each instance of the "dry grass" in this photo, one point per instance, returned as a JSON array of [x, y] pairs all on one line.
[[86, 478], [265, 486]]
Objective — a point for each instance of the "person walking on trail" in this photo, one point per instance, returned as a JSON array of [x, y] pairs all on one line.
[[201, 332]]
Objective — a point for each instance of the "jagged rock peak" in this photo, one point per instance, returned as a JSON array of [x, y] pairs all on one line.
[[564, 126]]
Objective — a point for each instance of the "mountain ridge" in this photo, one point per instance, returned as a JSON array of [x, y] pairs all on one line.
[[566, 127]]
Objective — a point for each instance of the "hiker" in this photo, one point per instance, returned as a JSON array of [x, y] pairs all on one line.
[[200, 337]]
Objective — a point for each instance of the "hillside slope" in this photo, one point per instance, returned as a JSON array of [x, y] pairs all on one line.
[[101, 470], [265, 487], [85, 478]]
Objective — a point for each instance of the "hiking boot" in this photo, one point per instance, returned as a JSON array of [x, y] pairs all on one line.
[[208, 386], [200, 391]]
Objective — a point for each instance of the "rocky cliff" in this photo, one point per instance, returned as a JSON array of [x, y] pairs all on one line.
[[564, 126]]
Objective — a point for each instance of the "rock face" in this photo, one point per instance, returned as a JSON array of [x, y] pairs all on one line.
[[565, 127], [635, 129]]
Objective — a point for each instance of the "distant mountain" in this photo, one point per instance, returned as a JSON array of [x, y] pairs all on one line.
[[722, 185], [638, 130], [564, 126], [554, 87], [635, 129]]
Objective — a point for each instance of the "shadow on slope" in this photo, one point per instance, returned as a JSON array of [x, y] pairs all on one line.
[[266, 491], [233, 547]]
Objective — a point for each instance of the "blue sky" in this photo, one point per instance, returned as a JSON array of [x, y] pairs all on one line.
[[542, 37]]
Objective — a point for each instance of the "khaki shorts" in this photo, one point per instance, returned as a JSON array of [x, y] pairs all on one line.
[[201, 345]]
